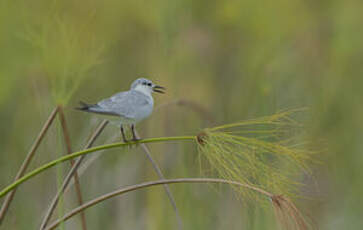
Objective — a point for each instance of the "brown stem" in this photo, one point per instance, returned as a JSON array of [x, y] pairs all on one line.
[[67, 140], [27, 161], [149, 184], [287, 214], [71, 172], [161, 176]]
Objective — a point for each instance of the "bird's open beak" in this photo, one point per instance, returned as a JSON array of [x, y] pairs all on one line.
[[158, 89]]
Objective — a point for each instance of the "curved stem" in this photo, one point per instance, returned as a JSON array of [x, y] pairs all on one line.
[[83, 152], [149, 184]]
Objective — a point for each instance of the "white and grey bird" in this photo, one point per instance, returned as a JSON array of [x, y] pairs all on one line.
[[129, 107]]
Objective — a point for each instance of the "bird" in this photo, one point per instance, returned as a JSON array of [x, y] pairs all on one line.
[[127, 107]]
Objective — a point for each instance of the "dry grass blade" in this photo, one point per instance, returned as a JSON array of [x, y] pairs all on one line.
[[69, 151], [70, 174], [287, 215], [27, 161], [161, 176]]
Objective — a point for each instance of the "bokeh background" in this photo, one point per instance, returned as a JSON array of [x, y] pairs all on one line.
[[236, 59]]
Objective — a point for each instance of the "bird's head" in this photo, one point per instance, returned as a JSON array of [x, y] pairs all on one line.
[[146, 86]]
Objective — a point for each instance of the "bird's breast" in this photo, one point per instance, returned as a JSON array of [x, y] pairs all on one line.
[[144, 111]]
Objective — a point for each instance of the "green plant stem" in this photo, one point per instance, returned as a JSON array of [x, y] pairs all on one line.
[[51, 164], [27, 161], [153, 183]]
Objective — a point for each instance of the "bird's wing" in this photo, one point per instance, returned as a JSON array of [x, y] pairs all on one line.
[[124, 104]]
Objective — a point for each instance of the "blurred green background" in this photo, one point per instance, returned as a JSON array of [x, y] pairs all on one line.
[[237, 59]]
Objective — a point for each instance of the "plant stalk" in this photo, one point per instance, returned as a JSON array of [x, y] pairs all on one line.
[[27, 161], [149, 184], [51, 164], [71, 172], [161, 177], [67, 140]]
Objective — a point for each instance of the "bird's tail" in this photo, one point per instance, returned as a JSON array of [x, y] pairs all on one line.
[[84, 106]]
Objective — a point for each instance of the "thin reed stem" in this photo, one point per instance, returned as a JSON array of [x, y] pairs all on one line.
[[55, 162], [71, 172], [67, 140], [153, 183], [161, 176], [27, 161]]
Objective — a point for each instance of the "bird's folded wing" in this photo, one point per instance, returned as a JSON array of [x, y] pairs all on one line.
[[123, 104]]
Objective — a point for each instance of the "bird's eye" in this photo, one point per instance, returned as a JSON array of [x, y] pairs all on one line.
[[149, 84]]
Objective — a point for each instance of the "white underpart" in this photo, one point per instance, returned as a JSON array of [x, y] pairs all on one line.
[[147, 90]]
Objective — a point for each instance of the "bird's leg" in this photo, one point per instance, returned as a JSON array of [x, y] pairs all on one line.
[[123, 134], [134, 138]]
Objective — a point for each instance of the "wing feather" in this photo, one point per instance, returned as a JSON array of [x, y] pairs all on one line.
[[123, 104]]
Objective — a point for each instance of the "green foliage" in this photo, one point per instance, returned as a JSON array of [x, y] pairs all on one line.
[[237, 58], [68, 51], [266, 152]]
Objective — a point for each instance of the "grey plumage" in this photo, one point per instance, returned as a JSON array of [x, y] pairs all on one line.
[[130, 106]]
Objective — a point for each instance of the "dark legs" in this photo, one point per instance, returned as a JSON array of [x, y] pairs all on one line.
[[134, 138], [123, 134]]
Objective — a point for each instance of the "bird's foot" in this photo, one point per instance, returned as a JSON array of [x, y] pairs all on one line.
[[128, 143], [124, 140], [135, 142]]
